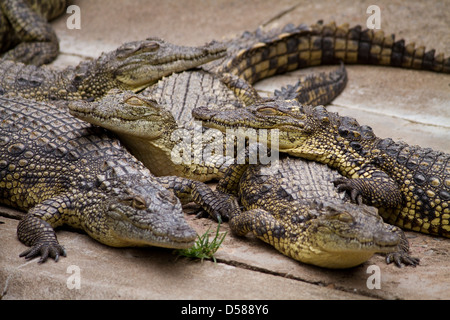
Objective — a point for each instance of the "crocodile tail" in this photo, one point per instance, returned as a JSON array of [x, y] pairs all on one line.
[[328, 44], [316, 89], [370, 46]]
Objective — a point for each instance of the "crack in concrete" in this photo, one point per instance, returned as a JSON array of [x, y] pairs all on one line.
[[280, 15], [245, 266]]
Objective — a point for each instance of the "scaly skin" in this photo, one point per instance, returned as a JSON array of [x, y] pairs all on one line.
[[64, 171], [293, 205], [224, 86], [295, 47], [26, 36], [156, 124], [408, 184], [152, 133], [133, 66]]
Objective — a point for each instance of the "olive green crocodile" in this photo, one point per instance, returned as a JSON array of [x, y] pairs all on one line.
[[64, 171], [409, 185], [132, 66], [26, 36], [293, 205], [169, 149]]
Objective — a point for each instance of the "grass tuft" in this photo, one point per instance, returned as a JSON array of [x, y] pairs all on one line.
[[203, 247]]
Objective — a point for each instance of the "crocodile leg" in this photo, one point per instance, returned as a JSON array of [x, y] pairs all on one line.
[[257, 221], [36, 230], [39, 43], [379, 190], [401, 256], [188, 190], [230, 182]]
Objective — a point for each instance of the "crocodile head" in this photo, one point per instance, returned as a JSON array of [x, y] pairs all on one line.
[[294, 125], [136, 65], [137, 210], [344, 235], [125, 113]]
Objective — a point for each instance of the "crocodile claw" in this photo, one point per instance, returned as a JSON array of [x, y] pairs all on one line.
[[344, 184], [45, 250], [401, 258]]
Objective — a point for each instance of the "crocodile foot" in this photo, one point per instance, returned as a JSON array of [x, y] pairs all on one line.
[[45, 250], [401, 258], [344, 184]]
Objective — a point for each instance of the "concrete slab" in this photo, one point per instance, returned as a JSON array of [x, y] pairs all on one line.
[[150, 273], [401, 104], [245, 269]]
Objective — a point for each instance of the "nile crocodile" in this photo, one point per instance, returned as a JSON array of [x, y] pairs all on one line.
[[409, 185], [62, 170], [251, 56], [133, 66], [26, 36], [157, 126], [293, 205]]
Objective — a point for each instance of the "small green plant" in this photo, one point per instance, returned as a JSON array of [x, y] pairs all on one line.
[[203, 247]]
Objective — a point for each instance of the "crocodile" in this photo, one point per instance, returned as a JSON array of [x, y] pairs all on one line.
[[148, 116], [157, 127], [293, 205], [226, 83], [409, 185], [25, 32], [132, 66], [63, 171]]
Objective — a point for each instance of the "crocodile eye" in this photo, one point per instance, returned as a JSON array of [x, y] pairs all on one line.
[[134, 101], [136, 202], [345, 217], [140, 102], [126, 50], [139, 203], [268, 111], [149, 46]]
